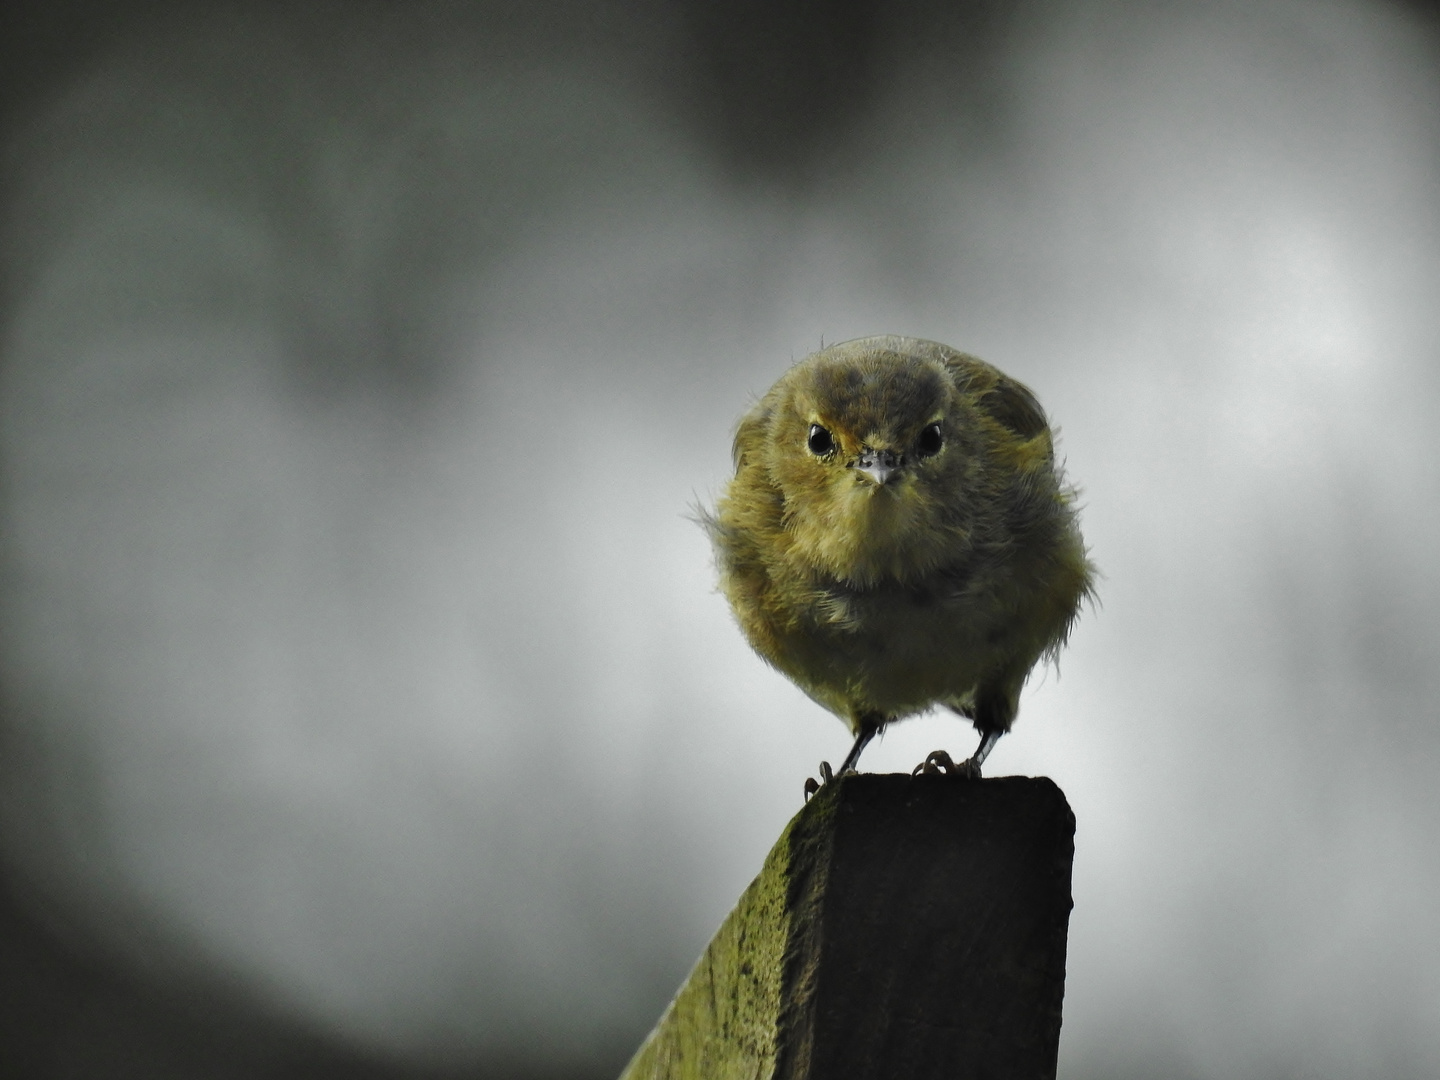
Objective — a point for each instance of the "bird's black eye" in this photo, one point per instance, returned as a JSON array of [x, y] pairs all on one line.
[[930, 441], [821, 442]]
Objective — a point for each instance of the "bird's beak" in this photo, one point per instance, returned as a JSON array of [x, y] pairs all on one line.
[[879, 465]]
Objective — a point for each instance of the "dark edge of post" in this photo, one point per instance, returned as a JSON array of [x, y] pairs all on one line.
[[811, 843]]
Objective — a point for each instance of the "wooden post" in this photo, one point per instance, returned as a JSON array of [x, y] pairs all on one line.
[[901, 927]]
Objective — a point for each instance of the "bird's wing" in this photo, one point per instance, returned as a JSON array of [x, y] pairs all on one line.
[[1012, 404], [1005, 400]]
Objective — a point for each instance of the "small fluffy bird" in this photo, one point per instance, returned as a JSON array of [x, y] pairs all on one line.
[[898, 535]]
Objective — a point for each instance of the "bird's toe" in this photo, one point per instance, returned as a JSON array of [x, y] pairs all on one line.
[[939, 762], [812, 785]]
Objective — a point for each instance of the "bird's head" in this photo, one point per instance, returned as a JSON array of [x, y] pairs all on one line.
[[879, 456]]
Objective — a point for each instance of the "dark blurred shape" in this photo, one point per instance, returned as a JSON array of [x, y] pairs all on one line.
[[42, 46], [67, 1012], [777, 88], [258, 105], [777, 81], [773, 88], [902, 927]]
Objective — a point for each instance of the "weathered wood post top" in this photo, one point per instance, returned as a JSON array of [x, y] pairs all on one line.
[[902, 927]]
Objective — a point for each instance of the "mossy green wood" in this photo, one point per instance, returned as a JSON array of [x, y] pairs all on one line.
[[756, 973]]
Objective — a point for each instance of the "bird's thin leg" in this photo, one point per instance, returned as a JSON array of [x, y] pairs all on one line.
[[871, 724], [988, 739]]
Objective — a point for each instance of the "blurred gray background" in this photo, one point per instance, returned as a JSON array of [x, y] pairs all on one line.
[[368, 709]]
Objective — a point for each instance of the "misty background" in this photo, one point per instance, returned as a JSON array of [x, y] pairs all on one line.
[[368, 708]]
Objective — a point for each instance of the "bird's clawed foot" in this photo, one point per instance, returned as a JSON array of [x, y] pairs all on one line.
[[826, 775], [940, 762]]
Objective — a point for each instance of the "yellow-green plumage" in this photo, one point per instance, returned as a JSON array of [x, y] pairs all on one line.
[[922, 548]]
